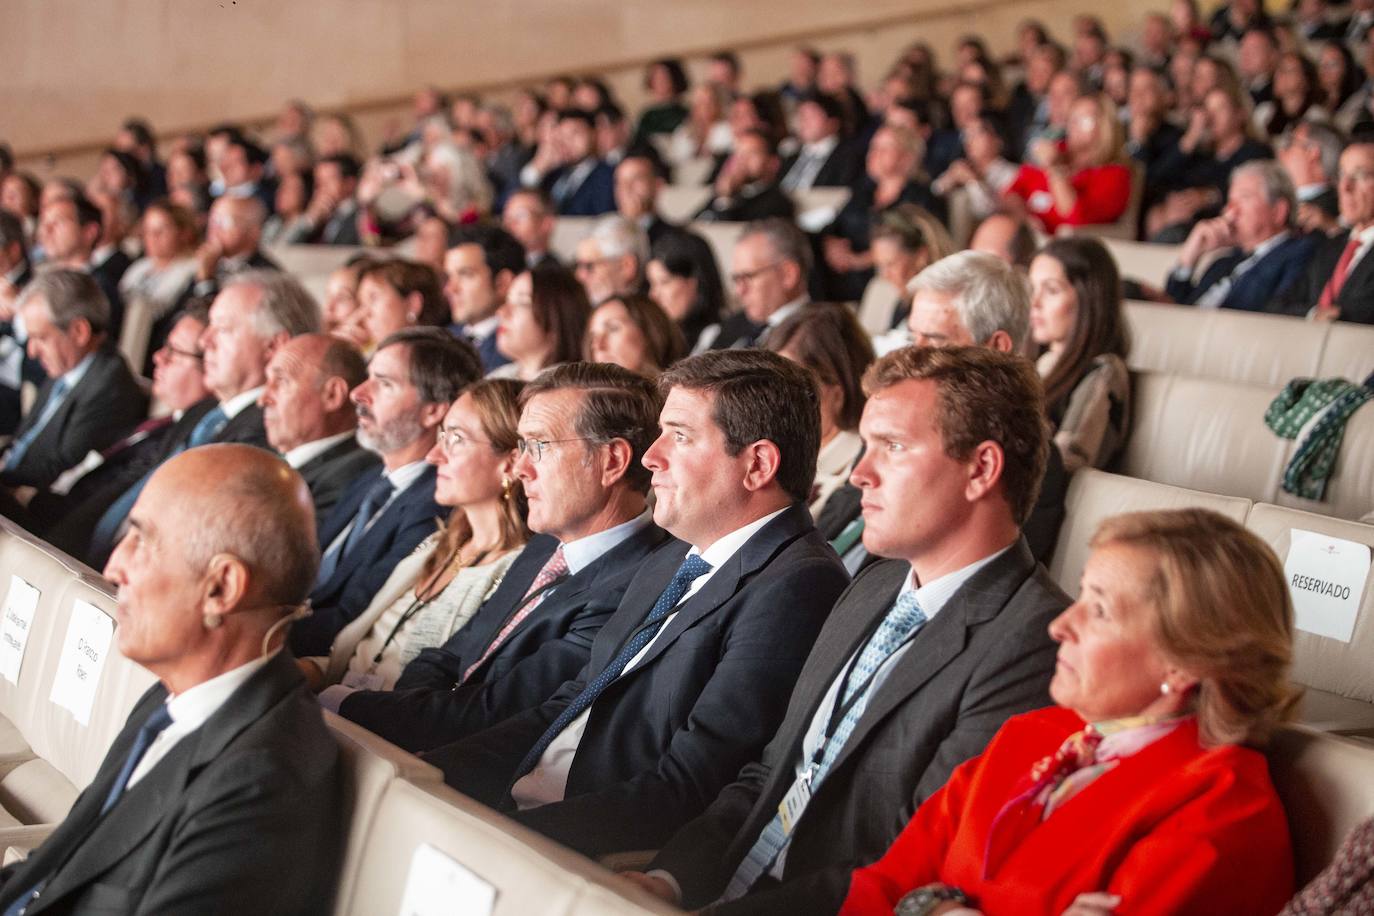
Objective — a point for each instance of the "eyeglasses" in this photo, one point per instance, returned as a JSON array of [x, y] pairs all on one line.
[[580, 266], [451, 438], [177, 351], [749, 276], [535, 448]]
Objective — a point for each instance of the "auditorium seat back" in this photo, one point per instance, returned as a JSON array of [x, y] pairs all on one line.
[[1349, 351], [1144, 261], [1223, 344], [1339, 676], [567, 232], [679, 203], [1326, 783], [1096, 495]]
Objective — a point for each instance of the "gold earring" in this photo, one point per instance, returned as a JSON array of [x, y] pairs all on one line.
[[507, 487]]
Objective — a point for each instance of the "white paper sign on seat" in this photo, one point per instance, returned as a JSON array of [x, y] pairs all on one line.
[[83, 657]]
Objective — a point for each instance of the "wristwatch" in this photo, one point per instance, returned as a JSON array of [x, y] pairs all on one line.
[[924, 900]]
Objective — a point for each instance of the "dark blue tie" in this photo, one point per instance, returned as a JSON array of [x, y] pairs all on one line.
[[56, 395], [692, 568], [207, 427], [374, 500], [158, 721]]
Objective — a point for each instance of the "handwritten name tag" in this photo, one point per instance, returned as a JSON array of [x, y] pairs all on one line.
[[439, 886], [83, 656], [1326, 577], [20, 605]]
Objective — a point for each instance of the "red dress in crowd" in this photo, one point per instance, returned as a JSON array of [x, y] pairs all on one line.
[[1172, 829], [1104, 191]]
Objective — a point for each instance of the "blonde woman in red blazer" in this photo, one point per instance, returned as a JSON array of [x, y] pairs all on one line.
[[1141, 792]]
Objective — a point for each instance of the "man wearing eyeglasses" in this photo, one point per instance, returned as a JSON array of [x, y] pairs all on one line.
[[770, 266], [584, 429], [412, 378]]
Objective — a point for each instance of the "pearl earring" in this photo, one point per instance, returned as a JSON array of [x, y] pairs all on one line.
[[1165, 689], [212, 621]]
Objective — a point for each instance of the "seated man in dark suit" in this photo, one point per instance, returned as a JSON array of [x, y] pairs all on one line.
[[309, 419], [230, 247], [585, 427], [771, 265], [412, 378], [69, 229], [179, 386], [637, 183], [1339, 283], [90, 398], [257, 312], [584, 185], [921, 661], [479, 265], [689, 678], [15, 274], [747, 186], [1310, 152], [333, 210], [224, 784], [529, 217], [1267, 256], [826, 159]]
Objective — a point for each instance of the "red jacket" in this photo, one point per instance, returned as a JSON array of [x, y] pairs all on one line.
[[1175, 828], [1103, 192]]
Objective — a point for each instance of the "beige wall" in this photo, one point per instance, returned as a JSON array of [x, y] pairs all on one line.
[[74, 68]]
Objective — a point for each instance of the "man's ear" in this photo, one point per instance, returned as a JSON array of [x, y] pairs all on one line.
[[80, 332], [500, 284], [431, 415], [1000, 341], [415, 306], [765, 460], [226, 582], [334, 393], [985, 467], [618, 454]]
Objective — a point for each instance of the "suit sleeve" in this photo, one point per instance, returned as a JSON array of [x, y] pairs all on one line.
[[732, 719]]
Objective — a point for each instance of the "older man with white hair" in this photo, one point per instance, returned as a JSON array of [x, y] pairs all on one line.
[[223, 784], [610, 261]]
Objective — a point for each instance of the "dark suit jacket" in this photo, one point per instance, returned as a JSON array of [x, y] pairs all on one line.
[[593, 197], [738, 331], [428, 708], [103, 406], [768, 201], [243, 815], [332, 471], [1274, 274], [106, 275], [668, 734], [70, 527], [841, 168], [412, 516], [986, 656], [1356, 298], [341, 228]]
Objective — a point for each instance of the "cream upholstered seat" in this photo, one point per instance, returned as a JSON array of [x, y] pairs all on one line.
[[1327, 786]]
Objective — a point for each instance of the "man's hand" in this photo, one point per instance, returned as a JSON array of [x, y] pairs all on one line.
[[656, 886], [1207, 236], [8, 297], [207, 259], [1312, 218]]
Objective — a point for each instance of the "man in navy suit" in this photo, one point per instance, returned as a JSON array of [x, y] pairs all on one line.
[[690, 676], [584, 429], [412, 378], [585, 184], [479, 265], [1268, 255]]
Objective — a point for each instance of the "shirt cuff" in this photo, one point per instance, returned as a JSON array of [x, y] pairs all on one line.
[[672, 882], [332, 697]]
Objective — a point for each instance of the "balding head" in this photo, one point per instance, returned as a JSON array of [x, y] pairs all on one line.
[[220, 549], [236, 224], [306, 398]]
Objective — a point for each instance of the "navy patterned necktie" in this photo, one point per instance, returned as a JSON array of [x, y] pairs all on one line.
[[153, 727], [692, 568]]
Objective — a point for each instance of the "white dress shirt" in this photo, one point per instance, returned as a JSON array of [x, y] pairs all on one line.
[[189, 711], [548, 781], [303, 454]]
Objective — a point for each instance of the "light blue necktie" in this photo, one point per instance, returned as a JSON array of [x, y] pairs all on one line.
[[107, 529], [900, 625], [56, 396], [376, 497], [692, 568]]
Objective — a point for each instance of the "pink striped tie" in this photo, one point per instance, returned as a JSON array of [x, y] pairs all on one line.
[[554, 568]]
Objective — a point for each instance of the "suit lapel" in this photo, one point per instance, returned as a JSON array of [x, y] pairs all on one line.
[[941, 640], [347, 507]]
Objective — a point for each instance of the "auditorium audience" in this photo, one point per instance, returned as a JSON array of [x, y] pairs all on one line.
[[580, 183], [665, 81], [684, 280], [1081, 181], [224, 783], [158, 279], [920, 662], [747, 187], [705, 133], [230, 247], [413, 378], [90, 398], [480, 264], [632, 332], [1007, 237], [395, 294], [1264, 256], [637, 184], [309, 419], [340, 306], [70, 229], [332, 216], [828, 340], [825, 158], [1172, 671], [706, 642], [770, 264], [435, 590], [610, 260], [1311, 153], [529, 217], [982, 172], [584, 428], [541, 323], [905, 240]]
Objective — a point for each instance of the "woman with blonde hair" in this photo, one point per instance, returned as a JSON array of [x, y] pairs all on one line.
[[1082, 180], [1144, 788], [436, 590]]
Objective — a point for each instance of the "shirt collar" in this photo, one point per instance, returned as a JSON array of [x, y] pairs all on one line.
[[190, 708], [936, 593], [73, 376], [1311, 191], [482, 329], [585, 551], [822, 147], [305, 453], [236, 405], [405, 475], [1269, 244], [725, 547], [785, 311]]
